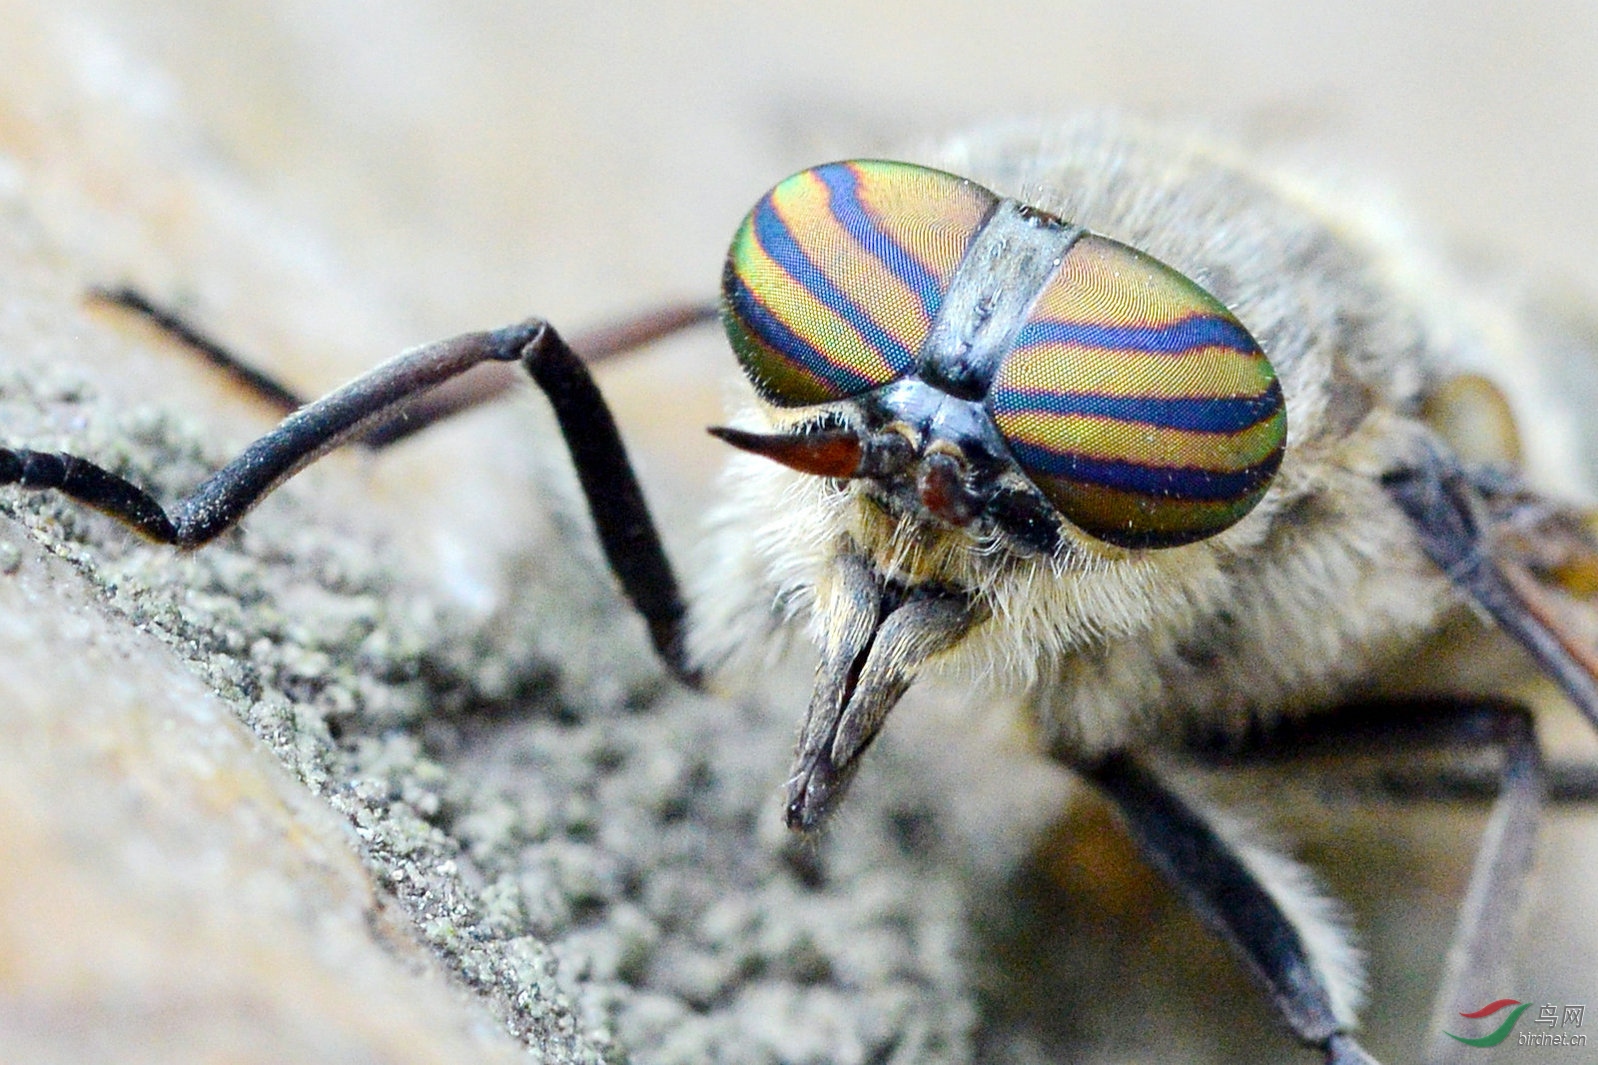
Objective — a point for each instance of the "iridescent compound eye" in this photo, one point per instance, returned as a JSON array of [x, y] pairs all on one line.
[[1133, 399], [1137, 403], [834, 279]]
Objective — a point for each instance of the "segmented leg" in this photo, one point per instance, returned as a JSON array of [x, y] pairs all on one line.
[[1465, 528], [262, 385], [487, 383], [1229, 896], [621, 515], [1483, 933], [491, 382], [626, 531]]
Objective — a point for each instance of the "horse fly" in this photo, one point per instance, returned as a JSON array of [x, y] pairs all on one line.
[[1114, 425]]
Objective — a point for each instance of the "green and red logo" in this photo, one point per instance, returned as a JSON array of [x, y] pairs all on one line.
[[1499, 1034]]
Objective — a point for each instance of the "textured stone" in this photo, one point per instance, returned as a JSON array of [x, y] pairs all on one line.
[[169, 892]]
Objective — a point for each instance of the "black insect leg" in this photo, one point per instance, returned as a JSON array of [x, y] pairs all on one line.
[[259, 383], [621, 515], [627, 533], [1210, 874], [485, 384], [491, 382], [1484, 932], [310, 432]]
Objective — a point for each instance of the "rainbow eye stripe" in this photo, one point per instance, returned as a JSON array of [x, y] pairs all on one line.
[[1137, 403], [1132, 399], [835, 278]]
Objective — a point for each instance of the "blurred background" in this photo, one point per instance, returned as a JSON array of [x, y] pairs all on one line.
[[471, 162], [331, 181], [595, 154]]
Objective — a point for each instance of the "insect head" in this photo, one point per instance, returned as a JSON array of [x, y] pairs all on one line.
[[936, 338]]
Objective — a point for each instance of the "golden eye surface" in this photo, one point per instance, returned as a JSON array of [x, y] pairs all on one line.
[[834, 279], [1137, 403]]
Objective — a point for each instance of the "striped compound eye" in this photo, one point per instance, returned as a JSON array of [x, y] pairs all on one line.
[[834, 280], [1137, 403]]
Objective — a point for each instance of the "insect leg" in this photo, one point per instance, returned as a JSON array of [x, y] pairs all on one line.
[[1565, 783], [491, 382], [626, 531], [1456, 529], [301, 438], [1383, 728], [1231, 897], [616, 502], [485, 384], [1484, 931], [259, 383]]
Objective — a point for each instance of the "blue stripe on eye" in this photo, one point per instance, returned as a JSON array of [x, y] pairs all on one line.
[[1159, 482], [1205, 414], [778, 242], [843, 185], [765, 324], [1197, 331]]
